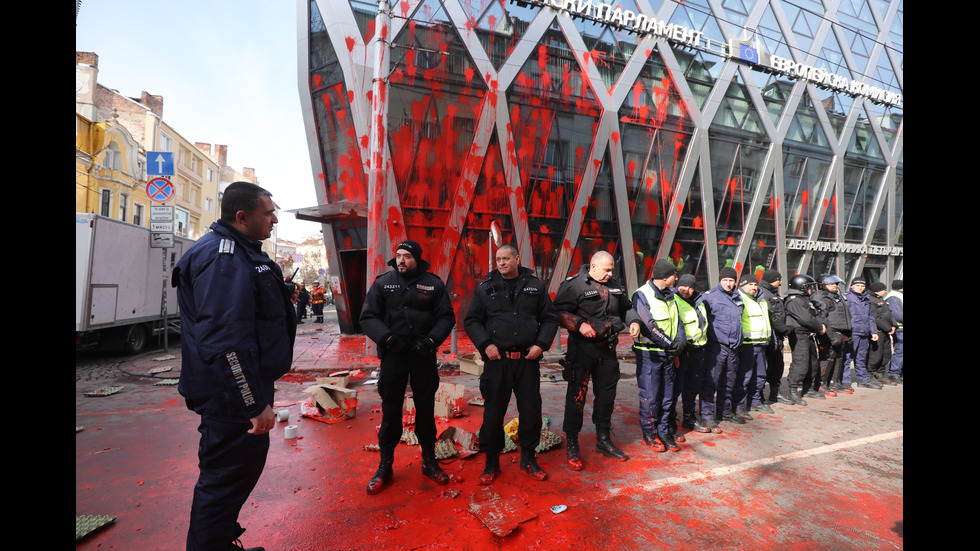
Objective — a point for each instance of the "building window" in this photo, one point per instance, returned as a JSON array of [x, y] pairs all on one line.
[[112, 158], [123, 204], [208, 204], [140, 170], [138, 214], [182, 220], [166, 142], [106, 202], [210, 174]]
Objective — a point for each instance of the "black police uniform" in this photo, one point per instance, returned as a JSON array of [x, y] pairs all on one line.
[[409, 316], [831, 307], [775, 364], [512, 315], [802, 318], [237, 332], [607, 308]]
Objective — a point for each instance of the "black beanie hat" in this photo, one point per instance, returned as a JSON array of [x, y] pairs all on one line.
[[748, 278], [877, 286], [687, 280], [663, 269], [727, 272], [412, 247], [771, 276], [897, 284]]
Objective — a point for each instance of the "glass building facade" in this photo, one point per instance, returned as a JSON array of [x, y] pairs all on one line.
[[747, 133]]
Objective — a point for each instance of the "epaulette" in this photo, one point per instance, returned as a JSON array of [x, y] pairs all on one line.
[[226, 246], [571, 277]]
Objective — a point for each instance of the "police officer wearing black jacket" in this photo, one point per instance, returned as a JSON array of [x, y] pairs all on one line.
[[832, 308], [880, 352], [805, 324], [408, 314], [775, 364], [594, 308], [237, 331], [511, 321]]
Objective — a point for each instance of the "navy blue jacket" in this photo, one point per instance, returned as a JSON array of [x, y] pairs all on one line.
[[862, 320], [237, 322], [724, 311], [512, 325]]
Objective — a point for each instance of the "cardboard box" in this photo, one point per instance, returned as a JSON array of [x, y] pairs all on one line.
[[448, 401], [471, 363], [334, 402], [340, 378]]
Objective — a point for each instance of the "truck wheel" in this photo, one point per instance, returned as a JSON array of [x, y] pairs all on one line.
[[136, 339]]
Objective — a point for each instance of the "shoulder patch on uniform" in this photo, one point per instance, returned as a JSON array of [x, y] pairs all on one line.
[[226, 246]]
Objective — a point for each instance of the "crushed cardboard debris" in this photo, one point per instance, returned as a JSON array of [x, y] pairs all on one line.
[[448, 401], [86, 524], [329, 403], [502, 515], [164, 358], [104, 391], [167, 382], [161, 369]]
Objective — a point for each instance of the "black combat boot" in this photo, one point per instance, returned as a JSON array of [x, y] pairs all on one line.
[[572, 451], [491, 469], [605, 446], [431, 468], [383, 476], [530, 464]]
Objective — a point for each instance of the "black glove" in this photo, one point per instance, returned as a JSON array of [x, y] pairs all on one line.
[[397, 344], [676, 347], [423, 346]]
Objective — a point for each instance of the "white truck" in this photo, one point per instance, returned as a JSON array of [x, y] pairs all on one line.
[[119, 283]]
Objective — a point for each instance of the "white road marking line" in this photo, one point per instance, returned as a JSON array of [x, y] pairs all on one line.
[[731, 469]]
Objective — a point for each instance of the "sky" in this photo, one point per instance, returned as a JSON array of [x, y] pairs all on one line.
[[228, 74]]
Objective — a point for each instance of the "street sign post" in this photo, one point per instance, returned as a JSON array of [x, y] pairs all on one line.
[[160, 190], [160, 163]]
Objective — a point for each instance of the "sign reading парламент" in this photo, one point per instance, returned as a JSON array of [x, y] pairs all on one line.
[[626, 19], [645, 25]]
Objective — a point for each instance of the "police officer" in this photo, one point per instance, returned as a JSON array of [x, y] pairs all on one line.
[[895, 299], [775, 364], [408, 314], [511, 321], [832, 308], [805, 324], [594, 308], [690, 365], [863, 333], [756, 336], [723, 305], [237, 331], [880, 353], [661, 340]]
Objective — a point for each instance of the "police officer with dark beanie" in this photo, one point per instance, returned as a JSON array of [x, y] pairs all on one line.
[[408, 314]]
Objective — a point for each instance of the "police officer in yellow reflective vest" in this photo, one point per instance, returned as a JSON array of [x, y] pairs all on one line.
[[756, 335], [661, 340], [690, 365]]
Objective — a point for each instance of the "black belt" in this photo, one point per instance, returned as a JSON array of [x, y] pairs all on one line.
[[512, 355]]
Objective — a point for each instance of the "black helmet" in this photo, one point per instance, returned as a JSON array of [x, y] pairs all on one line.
[[801, 281]]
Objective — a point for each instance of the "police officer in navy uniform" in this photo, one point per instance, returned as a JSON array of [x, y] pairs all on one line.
[[511, 321], [661, 339], [896, 301], [237, 331], [690, 366], [408, 314], [723, 306], [863, 333], [594, 308]]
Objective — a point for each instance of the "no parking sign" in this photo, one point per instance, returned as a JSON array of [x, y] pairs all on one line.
[[160, 190]]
